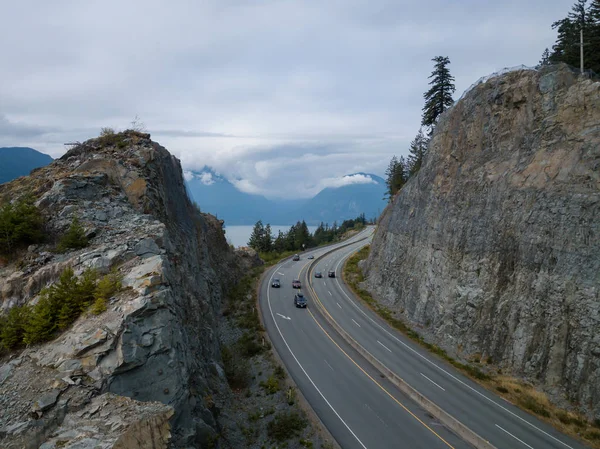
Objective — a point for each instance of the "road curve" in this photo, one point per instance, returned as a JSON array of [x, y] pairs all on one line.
[[359, 407], [493, 418]]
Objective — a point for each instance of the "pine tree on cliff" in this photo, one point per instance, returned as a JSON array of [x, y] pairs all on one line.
[[396, 176], [593, 50], [567, 48], [418, 148], [439, 97], [545, 60]]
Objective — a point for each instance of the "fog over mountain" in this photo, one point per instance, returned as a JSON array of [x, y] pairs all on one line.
[[345, 198]]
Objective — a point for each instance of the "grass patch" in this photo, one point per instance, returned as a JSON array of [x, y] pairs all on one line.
[[519, 393], [285, 426]]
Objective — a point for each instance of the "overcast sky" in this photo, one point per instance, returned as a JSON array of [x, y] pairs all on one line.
[[277, 95]]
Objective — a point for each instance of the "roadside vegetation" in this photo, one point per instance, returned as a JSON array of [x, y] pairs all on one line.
[[273, 248], [514, 390], [253, 372], [57, 308]]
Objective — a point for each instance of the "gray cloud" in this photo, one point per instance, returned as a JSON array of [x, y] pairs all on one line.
[[255, 89]]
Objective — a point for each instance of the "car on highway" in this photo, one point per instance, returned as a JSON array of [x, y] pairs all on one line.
[[300, 300], [296, 283], [296, 257], [331, 274], [276, 283], [311, 257], [318, 274]]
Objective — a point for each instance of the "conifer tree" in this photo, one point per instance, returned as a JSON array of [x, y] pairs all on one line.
[[439, 97], [545, 60], [257, 236], [418, 148]]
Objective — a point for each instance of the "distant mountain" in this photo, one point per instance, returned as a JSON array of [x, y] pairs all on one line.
[[218, 196], [362, 193], [19, 161], [357, 193]]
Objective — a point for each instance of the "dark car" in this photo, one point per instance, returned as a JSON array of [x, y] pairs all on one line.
[[311, 257], [299, 300], [276, 283], [318, 274], [296, 257], [331, 274], [296, 283]]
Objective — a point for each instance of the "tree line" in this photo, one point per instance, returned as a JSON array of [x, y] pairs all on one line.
[[584, 16], [438, 99], [298, 237]]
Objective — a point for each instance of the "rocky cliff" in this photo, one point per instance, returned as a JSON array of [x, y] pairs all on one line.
[[142, 373], [493, 249]]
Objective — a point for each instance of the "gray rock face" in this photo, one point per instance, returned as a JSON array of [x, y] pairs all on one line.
[[494, 247], [157, 340]]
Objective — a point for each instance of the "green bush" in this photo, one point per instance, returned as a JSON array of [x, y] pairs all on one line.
[[21, 224], [106, 288], [58, 307], [502, 389], [285, 426], [74, 238], [12, 327], [271, 385]]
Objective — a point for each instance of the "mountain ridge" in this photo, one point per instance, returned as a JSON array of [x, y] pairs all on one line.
[[219, 196], [19, 161]]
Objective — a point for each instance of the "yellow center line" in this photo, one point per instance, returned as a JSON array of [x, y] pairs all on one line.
[[360, 368]]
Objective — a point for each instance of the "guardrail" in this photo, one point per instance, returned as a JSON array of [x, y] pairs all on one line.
[[444, 417]]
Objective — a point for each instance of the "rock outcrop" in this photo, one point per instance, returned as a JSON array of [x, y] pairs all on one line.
[[493, 249], [151, 360]]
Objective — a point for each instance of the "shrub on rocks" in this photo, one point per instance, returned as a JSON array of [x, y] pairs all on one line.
[[74, 238]]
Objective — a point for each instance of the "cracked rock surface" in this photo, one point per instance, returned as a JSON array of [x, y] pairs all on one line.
[[149, 360], [493, 249]]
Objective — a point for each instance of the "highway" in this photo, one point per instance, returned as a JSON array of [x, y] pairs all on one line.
[[494, 419], [359, 407]]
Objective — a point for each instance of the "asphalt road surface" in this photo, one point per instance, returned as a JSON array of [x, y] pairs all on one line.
[[493, 418], [359, 407]]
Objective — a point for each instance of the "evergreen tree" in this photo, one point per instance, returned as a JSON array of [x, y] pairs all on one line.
[[279, 244], [20, 224], [439, 97], [389, 177], [74, 238], [592, 50], [257, 236], [545, 58], [567, 46], [267, 242], [418, 148]]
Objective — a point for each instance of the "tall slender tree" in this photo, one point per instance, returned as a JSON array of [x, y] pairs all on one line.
[[418, 148], [545, 60], [567, 46], [439, 96]]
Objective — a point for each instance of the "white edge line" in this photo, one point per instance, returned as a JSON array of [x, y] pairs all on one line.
[[329, 365], [437, 385], [520, 441], [304, 371], [442, 369], [384, 346]]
